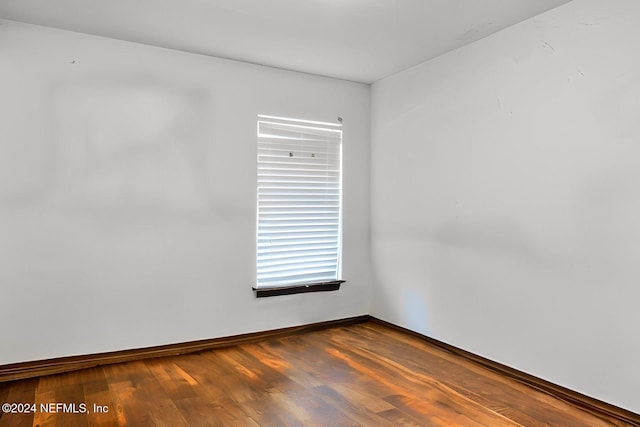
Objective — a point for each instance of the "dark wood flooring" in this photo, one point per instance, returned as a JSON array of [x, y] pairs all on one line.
[[359, 375]]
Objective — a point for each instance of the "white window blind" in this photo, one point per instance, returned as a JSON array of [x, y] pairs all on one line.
[[299, 202]]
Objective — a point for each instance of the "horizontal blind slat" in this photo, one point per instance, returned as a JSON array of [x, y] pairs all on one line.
[[312, 253], [294, 268], [262, 265], [303, 275]]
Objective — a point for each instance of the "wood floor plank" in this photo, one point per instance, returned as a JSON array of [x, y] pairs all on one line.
[[518, 401], [96, 392], [151, 397], [70, 392], [284, 363], [197, 412], [231, 413], [541, 405], [128, 410], [399, 418], [176, 383], [420, 394], [20, 392], [361, 395], [357, 410], [321, 413], [363, 374], [4, 393]]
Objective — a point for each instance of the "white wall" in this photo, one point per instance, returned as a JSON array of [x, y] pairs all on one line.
[[506, 198], [127, 194]]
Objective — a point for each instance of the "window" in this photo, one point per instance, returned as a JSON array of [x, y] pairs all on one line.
[[299, 203]]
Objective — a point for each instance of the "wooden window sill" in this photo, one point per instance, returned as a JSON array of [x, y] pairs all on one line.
[[298, 289]]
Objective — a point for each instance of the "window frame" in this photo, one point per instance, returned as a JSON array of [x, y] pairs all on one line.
[[313, 128]]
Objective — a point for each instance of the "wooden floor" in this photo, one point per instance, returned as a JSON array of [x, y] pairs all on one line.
[[363, 374]]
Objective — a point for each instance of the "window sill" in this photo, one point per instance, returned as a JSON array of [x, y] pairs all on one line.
[[298, 289]]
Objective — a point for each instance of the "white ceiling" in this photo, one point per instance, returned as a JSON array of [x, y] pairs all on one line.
[[359, 40]]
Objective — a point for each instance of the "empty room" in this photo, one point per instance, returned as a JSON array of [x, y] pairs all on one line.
[[319, 213]]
